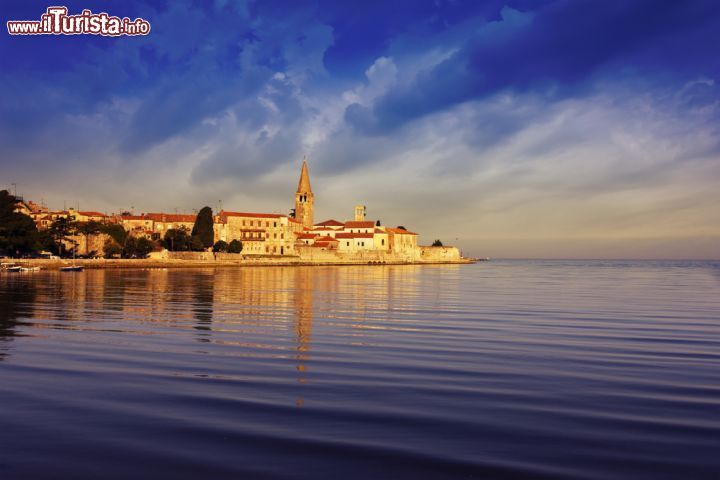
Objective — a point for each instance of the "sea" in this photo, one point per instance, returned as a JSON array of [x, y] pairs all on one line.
[[503, 369]]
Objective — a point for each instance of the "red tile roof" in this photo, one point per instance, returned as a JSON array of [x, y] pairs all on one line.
[[250, 215], [329, 223], [170, 217], [400, 231], [354, 235], [326, 240], [365, 224], [92, 214], [307, 236]]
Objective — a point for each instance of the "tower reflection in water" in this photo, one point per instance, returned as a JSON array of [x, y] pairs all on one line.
[[262, 317]]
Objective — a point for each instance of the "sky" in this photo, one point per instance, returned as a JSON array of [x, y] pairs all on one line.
[[550, 129]]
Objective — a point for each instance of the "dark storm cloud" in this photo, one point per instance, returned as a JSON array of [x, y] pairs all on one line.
[[556, 50]]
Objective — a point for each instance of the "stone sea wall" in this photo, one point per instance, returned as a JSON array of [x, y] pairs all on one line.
[[308, 256]]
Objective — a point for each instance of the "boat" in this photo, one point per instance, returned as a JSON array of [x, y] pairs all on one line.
[[72, 268], [29, 269], [12, 268]]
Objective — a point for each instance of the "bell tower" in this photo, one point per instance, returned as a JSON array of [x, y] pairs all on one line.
[[359, 213], [304, 198]]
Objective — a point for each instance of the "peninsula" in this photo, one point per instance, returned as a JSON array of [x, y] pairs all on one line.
[[228, 237]]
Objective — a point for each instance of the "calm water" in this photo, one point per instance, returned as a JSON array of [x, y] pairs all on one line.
[[538, 369]]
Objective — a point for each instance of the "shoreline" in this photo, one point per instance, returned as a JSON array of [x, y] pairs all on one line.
[[95, 264]]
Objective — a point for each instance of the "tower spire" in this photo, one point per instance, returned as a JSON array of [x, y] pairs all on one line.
[[304, 183]]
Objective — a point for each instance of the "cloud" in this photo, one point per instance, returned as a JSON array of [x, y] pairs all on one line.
[[476, 120], [555, 50]]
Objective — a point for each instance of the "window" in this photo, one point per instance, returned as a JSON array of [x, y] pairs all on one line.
[[275, 224], [382, 242], [282, 235], [348, 244]]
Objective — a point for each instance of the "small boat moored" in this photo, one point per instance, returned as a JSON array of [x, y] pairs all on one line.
[[72, 268]]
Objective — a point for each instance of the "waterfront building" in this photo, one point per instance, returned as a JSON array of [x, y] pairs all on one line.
[[260, 233]]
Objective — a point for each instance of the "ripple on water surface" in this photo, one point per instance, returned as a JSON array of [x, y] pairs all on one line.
[[538, 369]]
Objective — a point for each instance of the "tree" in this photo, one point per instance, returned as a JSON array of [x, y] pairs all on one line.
[[377, 224], [196, 244], [112, 249], [402, 228], [90, 228], [18, 232], [437, 243], [176, 240], [143, 247], [235, 246], [203, 228], [129, 248], [60, 231], [116, 232], [221, 246]]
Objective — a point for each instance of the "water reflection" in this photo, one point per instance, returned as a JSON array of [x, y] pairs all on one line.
[[202, 303], [262, 312], [17, 300]]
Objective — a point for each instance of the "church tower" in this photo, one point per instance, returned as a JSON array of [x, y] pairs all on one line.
[[304, 198]]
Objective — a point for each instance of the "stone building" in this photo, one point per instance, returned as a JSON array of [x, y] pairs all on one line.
[[304, 198], [260, 233], [155, 225]]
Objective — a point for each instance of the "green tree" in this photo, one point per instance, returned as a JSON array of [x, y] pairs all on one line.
[[90, 228], [221, 246], [60, 231], [137, 247], [196, 244], [176, 240], [18, 232], [437, 243], [235, 246], [203, 228], [111, 249], [116, 232], [129, 248], [143, 246]]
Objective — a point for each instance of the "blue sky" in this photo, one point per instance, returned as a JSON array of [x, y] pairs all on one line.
[[528, 128]]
